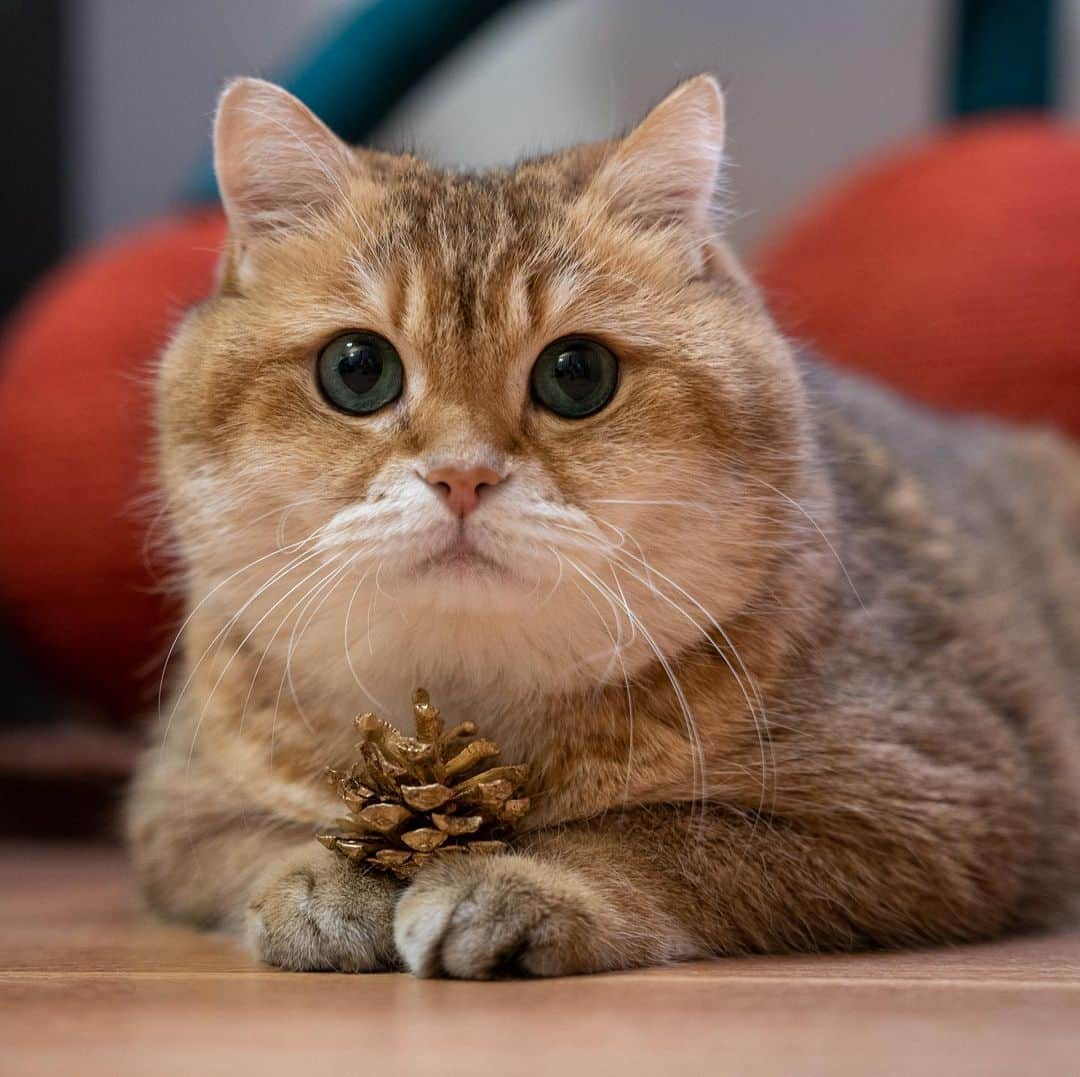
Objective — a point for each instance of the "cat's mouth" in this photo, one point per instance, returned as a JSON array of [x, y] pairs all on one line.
[[460, 557]]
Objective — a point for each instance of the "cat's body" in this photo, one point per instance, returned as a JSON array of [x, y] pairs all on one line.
[[795, 665]]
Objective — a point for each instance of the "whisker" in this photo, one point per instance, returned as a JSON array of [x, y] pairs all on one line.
[[758, 716], [645, 501], [617, 651], [293, 563], [697, 759], [254, 679], [616, 638], [187, 621], [328, 585], [348, 650], [239, 648], [330, 580], [266, 650], [825, 538], [375, 591]]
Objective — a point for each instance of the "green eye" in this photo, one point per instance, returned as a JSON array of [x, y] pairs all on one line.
[[575, 377], [360, 372]]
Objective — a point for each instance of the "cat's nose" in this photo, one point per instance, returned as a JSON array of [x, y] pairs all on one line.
[[460, 487]]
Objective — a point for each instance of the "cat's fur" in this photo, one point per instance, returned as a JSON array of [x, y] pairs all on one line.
[[795, 665]]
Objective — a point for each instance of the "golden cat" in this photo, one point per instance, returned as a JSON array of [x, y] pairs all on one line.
[[795, 666]]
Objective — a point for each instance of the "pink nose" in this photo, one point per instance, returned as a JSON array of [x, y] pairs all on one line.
[[460, 487]]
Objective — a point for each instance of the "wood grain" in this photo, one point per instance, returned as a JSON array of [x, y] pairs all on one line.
[[90, 985]]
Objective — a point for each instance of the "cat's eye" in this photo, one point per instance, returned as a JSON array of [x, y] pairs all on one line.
[[360, 372], [575, 377]]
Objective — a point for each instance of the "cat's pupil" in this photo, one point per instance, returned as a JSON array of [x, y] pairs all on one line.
[[360, 367], [577, 372]]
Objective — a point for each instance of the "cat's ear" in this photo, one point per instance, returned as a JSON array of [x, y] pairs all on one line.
[[277, 163], [668, 167]]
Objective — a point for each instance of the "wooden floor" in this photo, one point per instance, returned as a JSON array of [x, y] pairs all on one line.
[[88, 986]]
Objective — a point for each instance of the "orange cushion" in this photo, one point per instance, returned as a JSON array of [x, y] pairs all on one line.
[[78, 574], [950, 271]]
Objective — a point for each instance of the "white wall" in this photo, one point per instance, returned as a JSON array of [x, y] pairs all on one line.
[[813, 86]]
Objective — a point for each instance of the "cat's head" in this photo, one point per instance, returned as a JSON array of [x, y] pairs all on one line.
[[525, 413]]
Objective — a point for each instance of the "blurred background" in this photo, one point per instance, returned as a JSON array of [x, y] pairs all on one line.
[[116, 96], [832, 104], [537, 77]]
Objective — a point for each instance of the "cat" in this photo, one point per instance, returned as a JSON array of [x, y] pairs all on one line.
[[794, 664]]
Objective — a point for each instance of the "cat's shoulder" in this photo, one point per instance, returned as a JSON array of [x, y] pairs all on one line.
[[859, 421]]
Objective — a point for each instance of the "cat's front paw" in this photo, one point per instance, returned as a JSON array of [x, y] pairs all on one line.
[[317, 911], [479, 918]]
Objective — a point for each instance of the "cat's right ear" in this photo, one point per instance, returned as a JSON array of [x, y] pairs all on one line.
[[668, 167], [277, 163]]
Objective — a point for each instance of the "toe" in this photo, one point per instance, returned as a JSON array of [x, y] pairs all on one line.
[[485, 938], [420, 925], [504, 916], [321, 915]]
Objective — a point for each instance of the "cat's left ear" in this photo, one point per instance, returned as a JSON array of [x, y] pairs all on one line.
[[277, 163], [668, 167]]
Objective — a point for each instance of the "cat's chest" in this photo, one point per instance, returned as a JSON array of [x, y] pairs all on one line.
[[331, 685]]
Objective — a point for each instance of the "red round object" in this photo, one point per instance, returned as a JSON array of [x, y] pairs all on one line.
[[77, 568], [950, 271]]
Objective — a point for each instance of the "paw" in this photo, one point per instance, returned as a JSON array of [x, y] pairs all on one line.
[[486, 917], [318, 911]]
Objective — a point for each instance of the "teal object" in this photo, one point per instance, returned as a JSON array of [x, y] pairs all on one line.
[[1003, 56], [368, 62]]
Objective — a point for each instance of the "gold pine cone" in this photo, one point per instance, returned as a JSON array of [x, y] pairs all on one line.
[[409, 799]]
